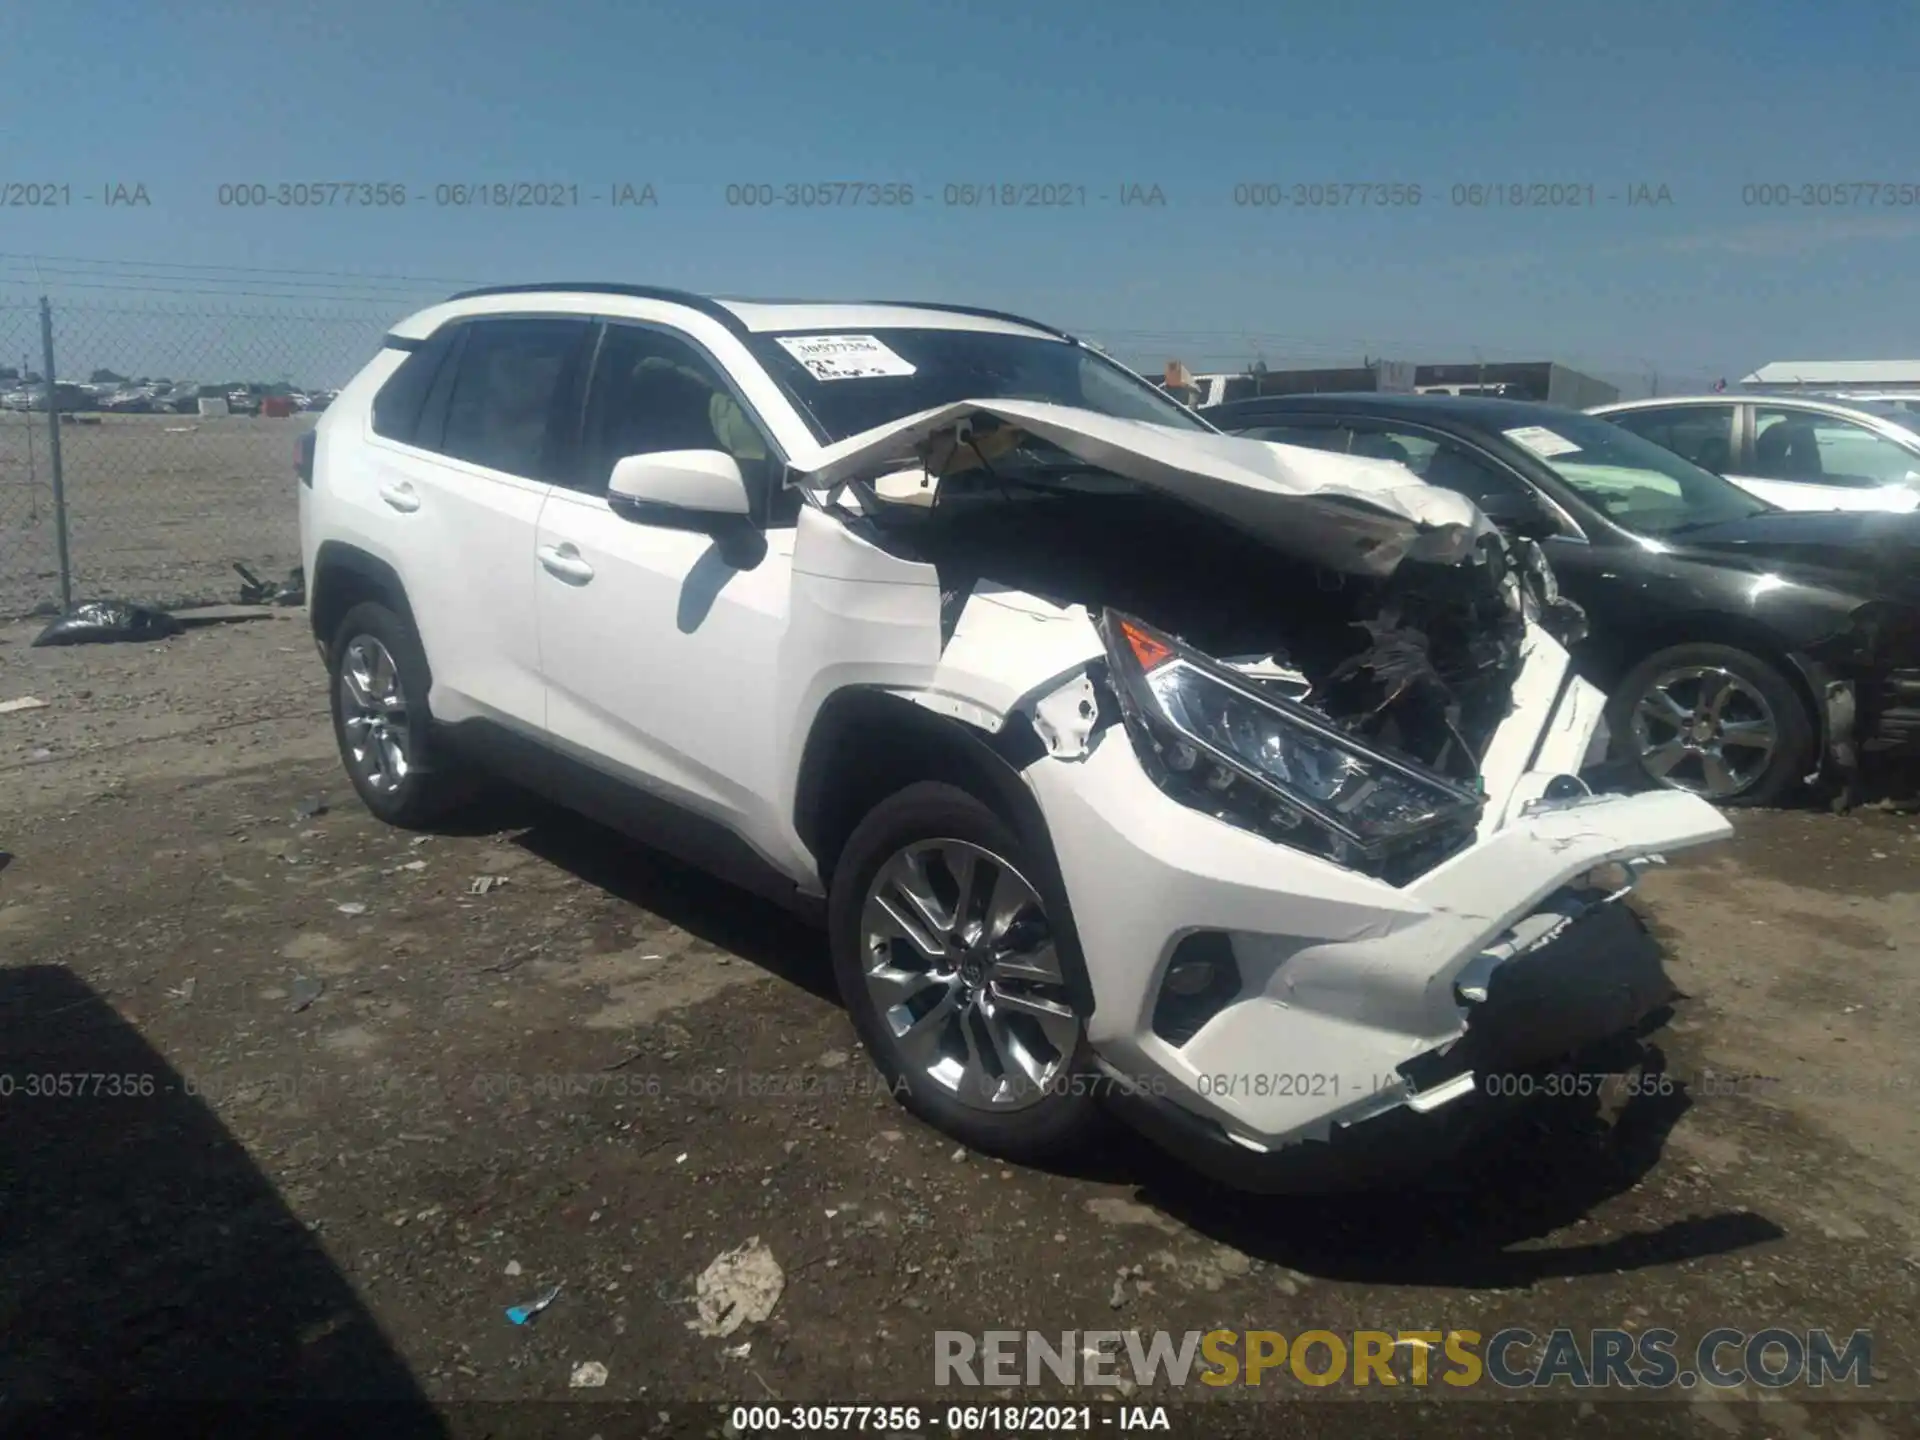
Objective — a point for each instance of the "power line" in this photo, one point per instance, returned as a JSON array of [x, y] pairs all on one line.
[[123, 265]]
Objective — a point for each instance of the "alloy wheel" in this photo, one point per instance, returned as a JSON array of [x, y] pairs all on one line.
[[1703, 729], [961, 966], [373, 715]]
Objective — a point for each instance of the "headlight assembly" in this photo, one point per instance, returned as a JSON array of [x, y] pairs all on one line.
[[1212, 740]]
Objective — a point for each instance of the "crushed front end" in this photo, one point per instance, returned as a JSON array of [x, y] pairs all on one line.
[[1338, 964], [1307, 744]]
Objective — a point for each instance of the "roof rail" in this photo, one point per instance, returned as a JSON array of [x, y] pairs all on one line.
[[705, 304], [963, 310], [713, 308]]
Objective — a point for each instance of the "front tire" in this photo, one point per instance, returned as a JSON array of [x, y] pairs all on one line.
[[378, 682], [1719, 722], [953, 976]]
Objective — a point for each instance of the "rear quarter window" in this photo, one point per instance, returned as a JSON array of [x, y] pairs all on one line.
[[397, 404]]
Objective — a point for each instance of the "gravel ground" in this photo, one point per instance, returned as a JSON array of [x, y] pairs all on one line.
[[399, 1083], [159, 507]]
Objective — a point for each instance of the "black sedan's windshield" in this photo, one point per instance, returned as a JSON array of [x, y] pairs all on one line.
[[849, 381], [1635, 483]]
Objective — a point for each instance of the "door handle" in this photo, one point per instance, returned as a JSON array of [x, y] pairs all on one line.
[[564, 561], [401, 497]]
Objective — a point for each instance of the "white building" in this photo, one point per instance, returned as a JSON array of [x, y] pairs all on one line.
[[1859, 378]]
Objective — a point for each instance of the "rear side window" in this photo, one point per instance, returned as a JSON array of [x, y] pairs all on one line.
[[1700, 433], [396, 406], [502, 407]]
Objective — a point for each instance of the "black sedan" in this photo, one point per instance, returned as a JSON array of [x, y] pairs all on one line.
[[1744, 648]]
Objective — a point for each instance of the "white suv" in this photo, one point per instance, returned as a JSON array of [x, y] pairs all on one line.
[[1232, 781]]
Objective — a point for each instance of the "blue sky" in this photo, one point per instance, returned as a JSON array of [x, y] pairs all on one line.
[[1703, 98]]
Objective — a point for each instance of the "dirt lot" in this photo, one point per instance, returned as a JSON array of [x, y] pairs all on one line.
[[384, 1107], [158, 506]]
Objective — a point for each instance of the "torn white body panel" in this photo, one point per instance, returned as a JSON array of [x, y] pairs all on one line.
[[1339, 511]]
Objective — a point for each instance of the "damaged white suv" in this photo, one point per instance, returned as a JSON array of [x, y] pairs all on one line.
[[1233, 781]]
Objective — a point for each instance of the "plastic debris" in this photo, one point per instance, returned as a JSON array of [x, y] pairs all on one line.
[[101, 622], [521, 1314], [25, 702], [588, 1375], [351, 907], [740, 1351], [183, 992], [304, 992], [255, 591], [483, 883], [740, 1286], [513, 1267]]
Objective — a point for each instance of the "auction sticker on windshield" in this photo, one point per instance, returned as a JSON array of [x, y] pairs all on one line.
[[1541, 441], [843, 357]]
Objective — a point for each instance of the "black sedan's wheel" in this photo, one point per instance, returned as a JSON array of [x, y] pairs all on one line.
[[1716, 721]]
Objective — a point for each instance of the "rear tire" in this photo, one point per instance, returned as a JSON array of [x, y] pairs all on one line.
[[1720, 722], [378, 684], [954, 977]]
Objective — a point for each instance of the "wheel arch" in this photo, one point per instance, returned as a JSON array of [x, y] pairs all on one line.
[[345, 576], [866, 744], [1624, 651]]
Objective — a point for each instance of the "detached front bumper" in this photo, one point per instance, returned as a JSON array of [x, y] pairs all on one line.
[[1350, 1005]]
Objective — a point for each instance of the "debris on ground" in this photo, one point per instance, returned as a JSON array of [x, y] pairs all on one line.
[[513, 1267], [588, 1375], [351, 907], [521, 1314], [255, 591], [304, 992], [483, 883], [183, 992], [25, 702], [102, 622], [313, 809], [740, 1286]]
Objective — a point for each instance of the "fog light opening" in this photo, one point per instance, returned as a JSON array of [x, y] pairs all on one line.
[[1190, 977]]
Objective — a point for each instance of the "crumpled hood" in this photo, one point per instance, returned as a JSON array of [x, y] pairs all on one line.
[[1343, 512]]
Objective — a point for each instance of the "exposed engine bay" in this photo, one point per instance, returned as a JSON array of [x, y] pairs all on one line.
[[1420, 663]]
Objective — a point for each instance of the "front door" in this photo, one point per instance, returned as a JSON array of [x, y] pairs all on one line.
[[660, 656]]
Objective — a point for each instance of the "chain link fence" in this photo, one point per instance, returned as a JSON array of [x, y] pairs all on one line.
[[162, 441]]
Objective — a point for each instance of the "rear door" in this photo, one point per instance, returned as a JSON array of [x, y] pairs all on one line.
[[461, 475], [1810, 460]]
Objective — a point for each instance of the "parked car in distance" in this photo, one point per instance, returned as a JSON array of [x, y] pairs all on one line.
[[1743, 647], [1055, 705], [1797, 452]]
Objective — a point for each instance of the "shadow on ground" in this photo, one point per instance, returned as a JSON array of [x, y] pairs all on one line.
[[779, 941], [144, 1259]]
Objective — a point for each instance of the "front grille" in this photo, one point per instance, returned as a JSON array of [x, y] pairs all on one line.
[[1892, 721]]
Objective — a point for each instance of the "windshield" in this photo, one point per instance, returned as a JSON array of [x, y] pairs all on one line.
[[851, 381], [1635, 483]]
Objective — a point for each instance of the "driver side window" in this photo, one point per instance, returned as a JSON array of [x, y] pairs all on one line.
[[653, 392]]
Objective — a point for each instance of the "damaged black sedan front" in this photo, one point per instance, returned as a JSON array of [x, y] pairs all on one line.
[[1745, 650]]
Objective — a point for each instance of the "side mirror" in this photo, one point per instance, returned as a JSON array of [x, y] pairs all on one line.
[[700, 490], [1522, 515], [702, 486]]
